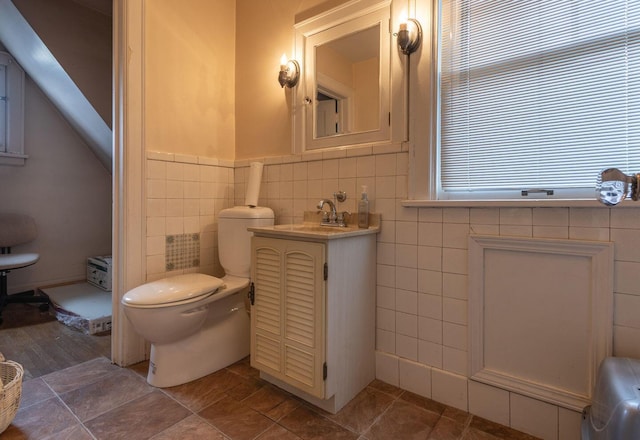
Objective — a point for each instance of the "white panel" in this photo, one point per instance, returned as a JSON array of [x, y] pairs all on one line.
[[540, 332]]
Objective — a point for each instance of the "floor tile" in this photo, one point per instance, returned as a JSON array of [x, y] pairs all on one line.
[[40, 420], [235, 419], [423, 402], [79, 375], [500, 431], [272, 402], [277, 432], [312, 426], [447, 429], [403, 420], [191, 428], [359, 414], [77, 432], [113, 390], [139, 419], [200, 393], [34, 391]]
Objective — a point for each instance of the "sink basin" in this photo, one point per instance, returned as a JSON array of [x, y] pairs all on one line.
[[313, 231]]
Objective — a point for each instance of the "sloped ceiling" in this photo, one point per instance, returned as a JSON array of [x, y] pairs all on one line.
[[40, 64]]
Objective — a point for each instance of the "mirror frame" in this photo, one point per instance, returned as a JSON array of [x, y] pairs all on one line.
[[348, 18]]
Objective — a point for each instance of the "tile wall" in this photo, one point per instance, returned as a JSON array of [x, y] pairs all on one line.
[[184, 195], [421, 320]]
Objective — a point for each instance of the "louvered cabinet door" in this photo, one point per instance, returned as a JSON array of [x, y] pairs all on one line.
[[288, 315], [303, 323], [266, 321]]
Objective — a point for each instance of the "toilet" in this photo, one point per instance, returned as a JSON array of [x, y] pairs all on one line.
[[197, 323]]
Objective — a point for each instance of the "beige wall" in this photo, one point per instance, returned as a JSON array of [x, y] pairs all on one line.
[[189, 77], [263, 113]]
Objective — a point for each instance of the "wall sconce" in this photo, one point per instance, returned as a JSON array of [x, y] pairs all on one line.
[[409, 36], [289, 72]]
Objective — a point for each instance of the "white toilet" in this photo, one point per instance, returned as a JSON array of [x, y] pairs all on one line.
[[196, 323]]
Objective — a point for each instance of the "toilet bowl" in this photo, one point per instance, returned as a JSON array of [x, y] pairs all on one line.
[[197, 323]]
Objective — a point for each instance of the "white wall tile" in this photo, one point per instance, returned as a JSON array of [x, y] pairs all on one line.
[[456, 215], [156, 245], [347, 167], [385, 319], [406, 301], [407, 255], [433, 215], [596, 234], [625, 218], [387, 368], [625, 342], [430, 234], [430, 281], [156, 169], [569, 424], [534, 417], [589, 217], [407, 347], [386, 297], [407, 324], [407, 278], [455, 286], [385, 165], [406, 232], [626, 310], [450, 389], [385, 341], [454, 261], [430, 353], [484, 216], [455, 235], [387, 232], [430, 329], [430, 258], [454, 311], [551, 216], [386, 275], [489, 402], [156, 226], [454, 335], [366, 166], [627, 244], [386, 253], [415, 377], [156, 188], [386, 187], [430, 306], [561, 232], [516, 216], [627, 277], [455, 361]]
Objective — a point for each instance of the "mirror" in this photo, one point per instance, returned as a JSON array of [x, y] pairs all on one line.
[[347, 84], [345, 96]]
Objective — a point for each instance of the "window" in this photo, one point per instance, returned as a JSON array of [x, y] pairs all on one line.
[[536, 94], [11, 111]]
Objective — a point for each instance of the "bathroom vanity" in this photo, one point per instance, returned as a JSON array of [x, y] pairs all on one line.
[[313, 310]]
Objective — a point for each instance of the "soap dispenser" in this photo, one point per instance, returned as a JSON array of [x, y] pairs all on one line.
[[363, 209]]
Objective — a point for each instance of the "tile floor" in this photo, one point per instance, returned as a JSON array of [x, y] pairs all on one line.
[[98, 400]]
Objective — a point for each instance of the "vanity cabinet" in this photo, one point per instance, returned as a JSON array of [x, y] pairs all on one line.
[[313, 314]]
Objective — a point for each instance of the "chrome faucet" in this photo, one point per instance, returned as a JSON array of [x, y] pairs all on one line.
[[328, 218]]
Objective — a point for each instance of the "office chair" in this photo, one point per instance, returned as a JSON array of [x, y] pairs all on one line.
[[16, 229]]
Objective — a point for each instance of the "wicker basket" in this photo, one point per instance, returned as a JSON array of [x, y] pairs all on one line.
[[10, 391]]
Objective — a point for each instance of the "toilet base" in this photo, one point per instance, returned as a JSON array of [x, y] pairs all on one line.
[[223, 339]]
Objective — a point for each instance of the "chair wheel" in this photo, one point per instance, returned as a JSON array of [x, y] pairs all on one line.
[[43, 307]]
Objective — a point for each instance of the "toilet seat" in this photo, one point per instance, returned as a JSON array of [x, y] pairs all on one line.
[[176, 290]]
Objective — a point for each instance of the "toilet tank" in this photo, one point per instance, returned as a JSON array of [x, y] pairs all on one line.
[[234, 241]]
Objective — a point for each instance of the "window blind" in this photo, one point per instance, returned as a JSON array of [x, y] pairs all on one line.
[[536, 94]]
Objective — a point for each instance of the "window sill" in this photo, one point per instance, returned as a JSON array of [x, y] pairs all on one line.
[[532, 203], [12, 159]]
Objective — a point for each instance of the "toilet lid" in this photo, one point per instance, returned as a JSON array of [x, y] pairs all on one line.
[[173, 289]]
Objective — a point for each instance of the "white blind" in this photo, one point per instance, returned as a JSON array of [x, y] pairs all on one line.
[[537, 94]]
